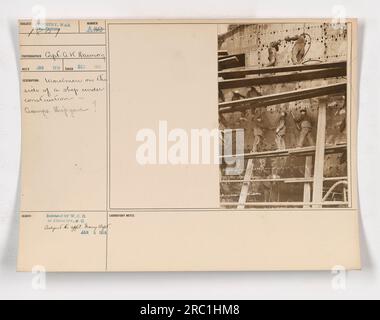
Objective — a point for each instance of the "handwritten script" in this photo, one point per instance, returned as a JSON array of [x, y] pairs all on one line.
[[65, 96]]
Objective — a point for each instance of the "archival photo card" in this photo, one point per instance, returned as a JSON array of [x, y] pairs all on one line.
[[188, 145]]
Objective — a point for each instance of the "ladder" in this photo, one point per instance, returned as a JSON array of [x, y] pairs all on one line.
[[246, 184]]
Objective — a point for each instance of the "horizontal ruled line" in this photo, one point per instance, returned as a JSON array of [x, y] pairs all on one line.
[[65, 71], [62, 45], [54, 33], [56, 59]]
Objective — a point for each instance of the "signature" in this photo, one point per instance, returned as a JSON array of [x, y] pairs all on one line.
[[45, 30], [84, 229]]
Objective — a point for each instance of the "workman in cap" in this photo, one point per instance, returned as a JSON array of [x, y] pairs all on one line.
[[305, 126]]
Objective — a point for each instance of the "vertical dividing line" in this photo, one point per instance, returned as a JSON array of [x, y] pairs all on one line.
[[107, 139]]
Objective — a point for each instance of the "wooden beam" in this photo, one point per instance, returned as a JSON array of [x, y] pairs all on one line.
[[229, 62], [232, 61], [246, 185], [320, 153], [299, 152], [307, 185], [235, 195], [335, 178], [237, 56], [286, 180], [285, 204], [222, 53], [234, 74], [279, 98], [283, 78]]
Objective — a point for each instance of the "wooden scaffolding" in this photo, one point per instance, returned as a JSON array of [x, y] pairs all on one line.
[[314, 179]]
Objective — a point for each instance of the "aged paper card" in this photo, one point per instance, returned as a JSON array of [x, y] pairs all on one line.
[[188, 145]]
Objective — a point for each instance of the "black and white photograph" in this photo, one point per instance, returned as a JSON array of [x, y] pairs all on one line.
[[283, 112]]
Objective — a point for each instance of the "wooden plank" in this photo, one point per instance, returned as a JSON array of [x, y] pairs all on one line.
[[240, 57], [228, 63], [299, 152], [238, 195], [285, 204], [234, 74], [335, 178], [233, 61], [222, 53], [283, 78], [246, 185], [320, 153], [279, 98], [307, 185], [285, 180]]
